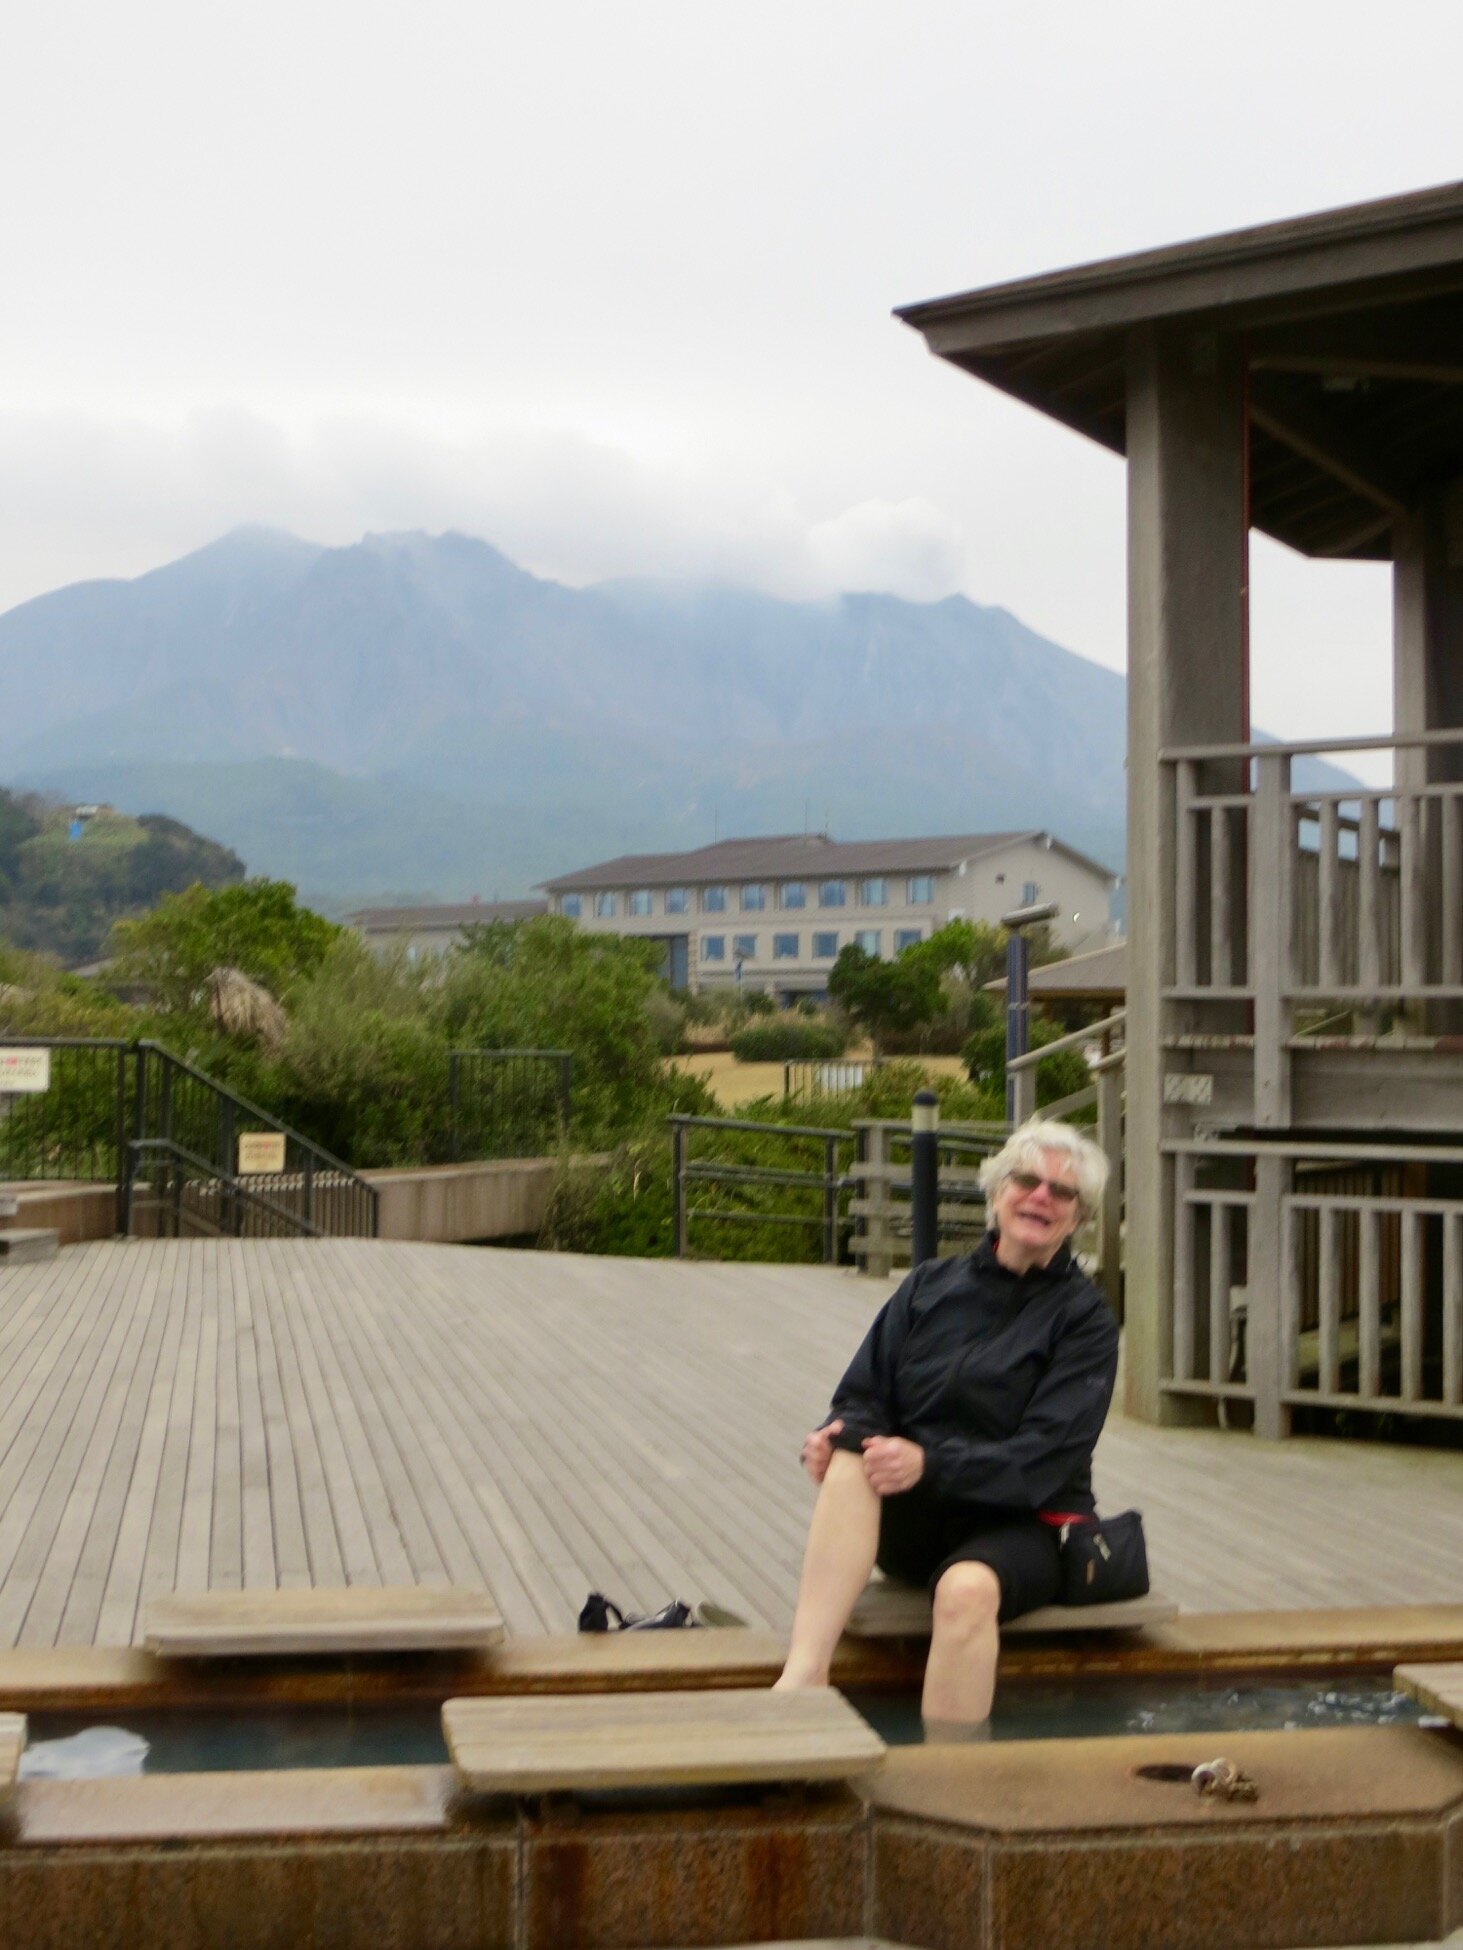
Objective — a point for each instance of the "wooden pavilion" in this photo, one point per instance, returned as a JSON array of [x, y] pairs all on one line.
[[1294, 1169]]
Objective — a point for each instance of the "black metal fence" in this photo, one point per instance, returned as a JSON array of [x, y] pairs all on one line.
[[168, 1137], [77, 1127], [509, 1103], [773, 1177]]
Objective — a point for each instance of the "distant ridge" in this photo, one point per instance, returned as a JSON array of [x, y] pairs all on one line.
[[418, 711]]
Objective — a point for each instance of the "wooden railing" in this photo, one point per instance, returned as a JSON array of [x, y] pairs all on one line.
[[1315, 906], [1311, 1273]]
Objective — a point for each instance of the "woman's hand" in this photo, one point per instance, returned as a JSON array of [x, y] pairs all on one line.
[[892, 1464], [817, 1448]]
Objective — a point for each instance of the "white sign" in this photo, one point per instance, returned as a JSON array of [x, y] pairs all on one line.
[[25, 1069], [260, 1151], [1188, 1089]]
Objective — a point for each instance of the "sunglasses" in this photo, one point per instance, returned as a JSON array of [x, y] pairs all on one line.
[[1027, 1181]]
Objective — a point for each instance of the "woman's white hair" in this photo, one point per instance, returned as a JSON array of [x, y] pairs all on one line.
[[1023, 1150]]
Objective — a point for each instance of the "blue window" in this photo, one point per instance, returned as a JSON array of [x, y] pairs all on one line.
[[874, 893], [570, 905], [906, 938], [825, 947], [832, 893], [920, 889], [713, 900], [678, 900], [713, 947], [792, 893], [869, 939], [784, 947], [754, 897], [1029, 891], [640, 901], [744, 947], [604, 906]]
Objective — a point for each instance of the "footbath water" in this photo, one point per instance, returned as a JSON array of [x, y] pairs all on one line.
[[192, 1741]]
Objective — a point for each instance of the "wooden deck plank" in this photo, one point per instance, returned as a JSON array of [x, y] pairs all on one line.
[[1439, 1688], [229, 1413], [623, 1740], [422, 1444]]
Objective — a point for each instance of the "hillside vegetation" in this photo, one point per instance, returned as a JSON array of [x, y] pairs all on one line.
[[61, 894]]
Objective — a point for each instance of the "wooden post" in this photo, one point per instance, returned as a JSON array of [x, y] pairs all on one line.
[[1272, 858], [1110, 1221], [1271, 1326]]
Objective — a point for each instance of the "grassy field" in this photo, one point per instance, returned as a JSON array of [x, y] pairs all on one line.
[[737, 1084]]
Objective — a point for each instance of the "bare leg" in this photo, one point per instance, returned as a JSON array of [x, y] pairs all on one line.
[[960, 1676], [842, 1540]]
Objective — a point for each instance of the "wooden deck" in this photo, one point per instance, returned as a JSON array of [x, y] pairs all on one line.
[[227, 1415]]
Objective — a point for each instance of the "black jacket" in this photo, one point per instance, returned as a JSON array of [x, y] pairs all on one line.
[[1003, 1379]]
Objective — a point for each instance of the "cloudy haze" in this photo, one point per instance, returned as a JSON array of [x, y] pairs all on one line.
[[610, 283]]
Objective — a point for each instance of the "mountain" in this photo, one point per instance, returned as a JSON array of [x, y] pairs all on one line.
[[418, 711]]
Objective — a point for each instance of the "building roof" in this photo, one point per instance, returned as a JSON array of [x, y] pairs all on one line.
[[800, 856], [1097, 976], [1353, 327], [464, 914]]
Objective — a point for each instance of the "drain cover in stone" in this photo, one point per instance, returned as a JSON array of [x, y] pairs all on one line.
[[234, 1624], [534, 1744]]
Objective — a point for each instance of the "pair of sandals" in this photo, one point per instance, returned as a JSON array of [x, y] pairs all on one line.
[[601, 1614]]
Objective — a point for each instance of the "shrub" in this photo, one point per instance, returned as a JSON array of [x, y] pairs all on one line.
[[1056, 1076], [788, 1040]]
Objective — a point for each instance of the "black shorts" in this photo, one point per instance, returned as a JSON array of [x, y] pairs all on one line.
[[921, 1536]]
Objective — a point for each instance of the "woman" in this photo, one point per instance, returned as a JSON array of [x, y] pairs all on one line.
[[961, 1437]]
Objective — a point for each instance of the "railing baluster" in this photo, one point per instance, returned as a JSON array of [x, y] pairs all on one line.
[[1368, 897], [1329, 1312], [1369, 1301], [1219, 1253], [1450, 810], [1221, 919], [1328, 898], [1453, 1309], [1413, 892], [1412, 1248], [1186, 917], [1184, 1217]]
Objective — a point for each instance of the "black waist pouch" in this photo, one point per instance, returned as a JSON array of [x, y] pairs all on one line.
[[1104, 1560]]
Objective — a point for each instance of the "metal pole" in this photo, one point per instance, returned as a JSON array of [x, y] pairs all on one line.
[[830, 1201], [678, 1173], [453, 1088], [1018, 1025], [924, 1177]]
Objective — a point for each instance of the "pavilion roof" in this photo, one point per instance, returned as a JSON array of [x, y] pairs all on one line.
[[1353, 324]]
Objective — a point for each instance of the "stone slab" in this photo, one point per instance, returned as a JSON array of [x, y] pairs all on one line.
[[889, 1609], [353, 1619], [1077, 1787], [24, 1243], [1437, 1687], [12, 1746], [645, 1740]]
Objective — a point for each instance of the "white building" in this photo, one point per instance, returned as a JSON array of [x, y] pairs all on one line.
[[773, 913]]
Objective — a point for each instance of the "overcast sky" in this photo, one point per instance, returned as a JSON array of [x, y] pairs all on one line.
[[609, 283]]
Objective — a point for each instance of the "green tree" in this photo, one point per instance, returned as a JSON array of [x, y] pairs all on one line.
[[546, 984], [1056, 1076], [257, 927], [885, 997]]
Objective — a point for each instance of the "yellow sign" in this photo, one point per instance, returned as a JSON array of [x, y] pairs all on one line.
[[260, 1151], [25, 1070]]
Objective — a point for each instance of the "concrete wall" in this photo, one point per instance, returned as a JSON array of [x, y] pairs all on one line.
[[503, 1198]]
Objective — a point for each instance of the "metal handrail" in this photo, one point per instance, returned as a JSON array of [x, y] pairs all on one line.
[[237, 1187]]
